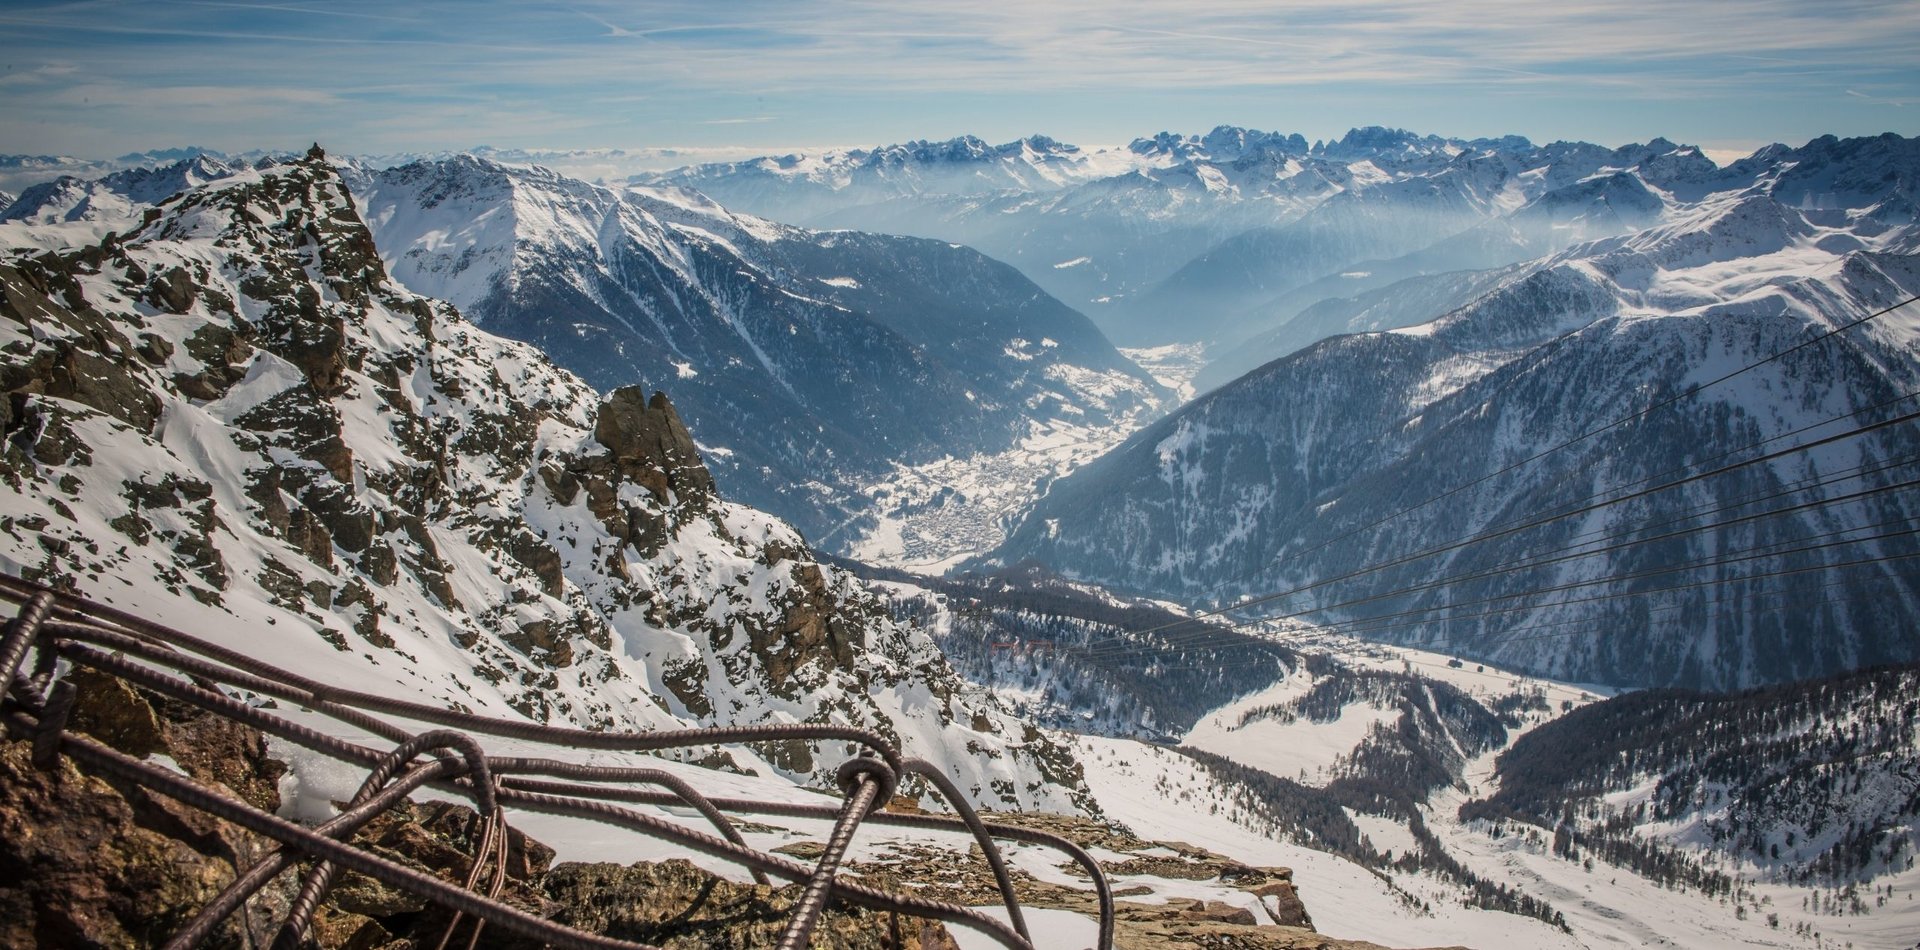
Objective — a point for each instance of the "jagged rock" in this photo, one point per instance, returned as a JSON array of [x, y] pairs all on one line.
[[173, 290], [357, 596], [87, 862], [305, 532], [223, 351], [78, 868], [652, 447], [64, 371], [107, 708], [811, 628], [540, 635], [1219, 912], [541, 558], [1283, 903], [155, 349], [350, 523]]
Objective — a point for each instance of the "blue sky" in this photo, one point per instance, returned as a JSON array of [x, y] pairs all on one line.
[[96, 78]]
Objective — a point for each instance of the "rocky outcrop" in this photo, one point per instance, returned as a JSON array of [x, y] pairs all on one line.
[[92, 862], [1269, 917], [652, 447], [677, 906]]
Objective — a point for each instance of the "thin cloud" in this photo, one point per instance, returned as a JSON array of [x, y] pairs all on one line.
[[1878, 100], [676, 67]]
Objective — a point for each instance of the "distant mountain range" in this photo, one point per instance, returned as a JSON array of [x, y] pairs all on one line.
[[1185, 238], [1324, 461]]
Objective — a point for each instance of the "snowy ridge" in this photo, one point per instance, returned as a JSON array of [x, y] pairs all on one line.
[[295, 458], [1678, 802]]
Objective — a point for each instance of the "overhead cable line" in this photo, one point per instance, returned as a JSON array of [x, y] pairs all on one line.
[[1740, 557], [1642, 413], [1284, 637], [1484, 537]]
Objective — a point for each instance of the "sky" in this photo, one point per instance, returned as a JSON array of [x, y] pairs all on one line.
[[98, 78]]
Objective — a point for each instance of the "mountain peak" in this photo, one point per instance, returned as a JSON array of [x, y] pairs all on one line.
[[1372, 139], [1230, 143]]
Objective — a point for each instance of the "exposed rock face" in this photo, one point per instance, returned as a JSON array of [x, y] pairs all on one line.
[[87, 862], [651, 446], [84, 866], [1279, 923], [675, 905]]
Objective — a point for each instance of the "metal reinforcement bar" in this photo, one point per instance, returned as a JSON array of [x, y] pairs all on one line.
[[54, 626]]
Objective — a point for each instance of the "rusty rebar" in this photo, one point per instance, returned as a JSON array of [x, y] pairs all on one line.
[[63, 626]]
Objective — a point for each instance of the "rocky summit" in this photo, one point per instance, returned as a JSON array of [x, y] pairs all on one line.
[[231, 420]]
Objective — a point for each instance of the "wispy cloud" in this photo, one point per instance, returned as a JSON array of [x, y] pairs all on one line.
[[675, 68], [1879, 100]]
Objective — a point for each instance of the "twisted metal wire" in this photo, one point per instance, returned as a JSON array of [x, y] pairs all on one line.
[[61, 626], [863, 780], [320, 878]]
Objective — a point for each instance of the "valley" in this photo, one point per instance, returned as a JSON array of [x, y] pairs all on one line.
[[932, 516]]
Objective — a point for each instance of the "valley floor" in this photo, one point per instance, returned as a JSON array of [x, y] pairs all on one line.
[[934, 515]]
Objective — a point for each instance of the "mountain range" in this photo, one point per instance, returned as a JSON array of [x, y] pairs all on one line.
[[1571, 380], [1185, 238], [230, 406]]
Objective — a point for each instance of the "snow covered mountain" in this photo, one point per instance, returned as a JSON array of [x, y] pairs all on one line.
[[115, 197], [802, 187], [1321, 463], [1663, 182], [1172, 237], [810, 364], [21, 172], [1815, 782], [72, 209], [231, 419]]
